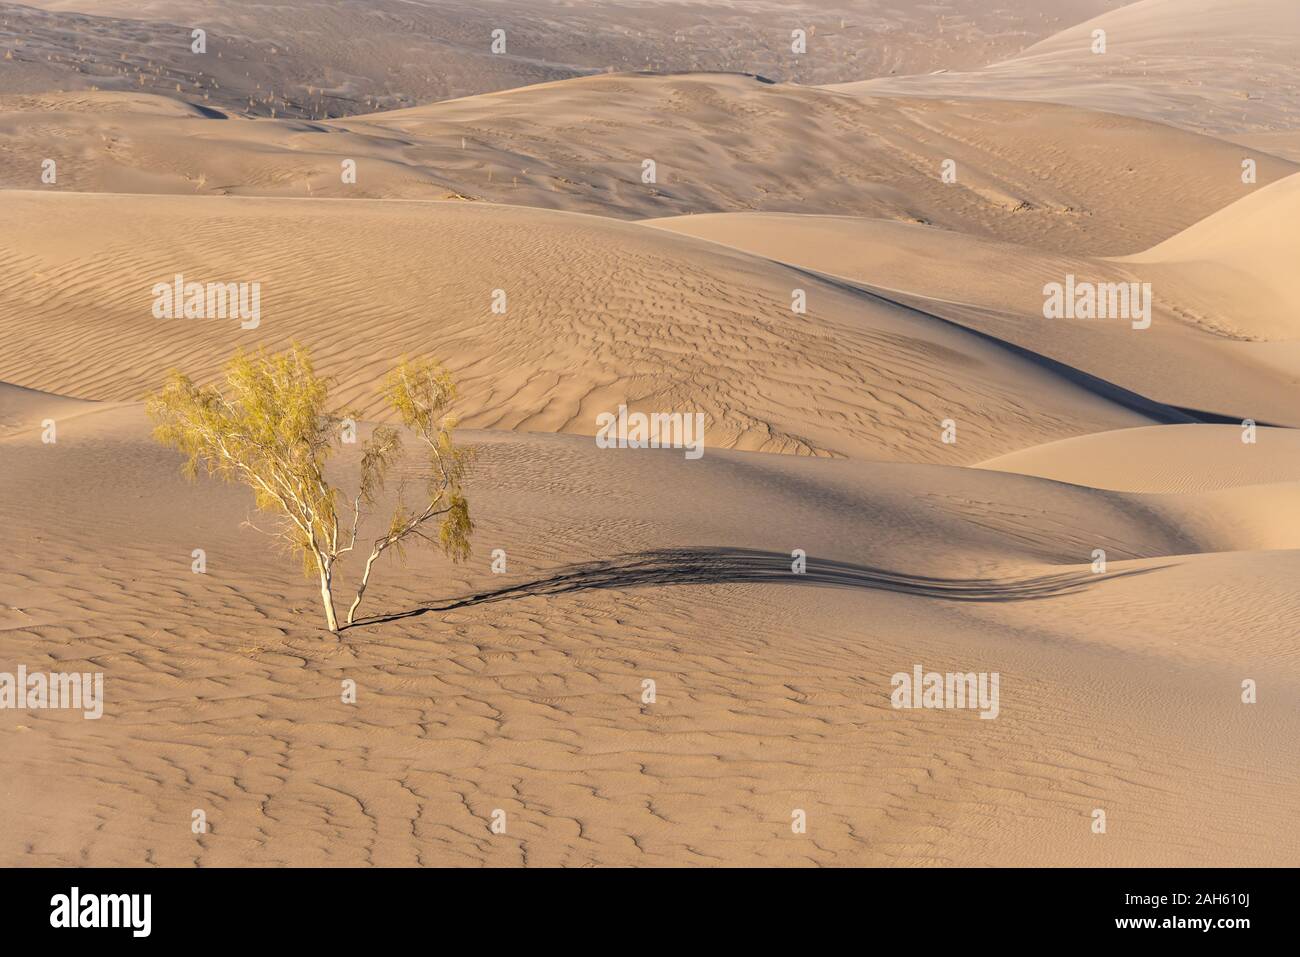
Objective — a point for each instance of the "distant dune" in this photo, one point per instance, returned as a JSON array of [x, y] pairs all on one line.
[[328, 58], [719, 144], [1215, 66]]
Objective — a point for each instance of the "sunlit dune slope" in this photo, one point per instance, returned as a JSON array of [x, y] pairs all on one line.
[[527, 697], [1226, 67], [597, 313], [1037, 174], [1238, 266], [1210, 348]]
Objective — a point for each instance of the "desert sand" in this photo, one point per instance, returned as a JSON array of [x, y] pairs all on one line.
[[1037, 174], [1221, 66], [322, 58], [1106, 516]]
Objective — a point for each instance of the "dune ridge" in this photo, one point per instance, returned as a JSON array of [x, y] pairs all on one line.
[[640, 318], [720, 143]]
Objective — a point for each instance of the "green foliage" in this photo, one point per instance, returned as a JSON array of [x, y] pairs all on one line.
[[266, 424], [422, 392], [379, 455], [267, 428], [456, 529]]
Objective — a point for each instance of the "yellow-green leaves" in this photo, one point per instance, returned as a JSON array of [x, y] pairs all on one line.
[[266, 424]]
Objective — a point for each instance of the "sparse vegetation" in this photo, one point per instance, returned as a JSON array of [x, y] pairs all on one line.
[[267, 425]]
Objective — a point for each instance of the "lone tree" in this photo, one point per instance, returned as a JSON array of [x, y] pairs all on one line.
[[269, 428]]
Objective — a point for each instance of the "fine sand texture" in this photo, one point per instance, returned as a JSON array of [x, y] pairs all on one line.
[[1051, 177], [841, 260], [1220, 66]]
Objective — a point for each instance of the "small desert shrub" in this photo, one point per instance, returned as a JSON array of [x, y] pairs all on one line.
[[267, 426]]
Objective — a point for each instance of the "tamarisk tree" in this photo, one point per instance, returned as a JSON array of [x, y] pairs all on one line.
[[267, 425]]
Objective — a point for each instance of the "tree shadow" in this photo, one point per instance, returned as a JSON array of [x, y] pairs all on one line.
[[713, 566]]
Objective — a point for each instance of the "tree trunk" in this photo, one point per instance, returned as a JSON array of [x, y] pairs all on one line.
[[365, 580], [327, 597]]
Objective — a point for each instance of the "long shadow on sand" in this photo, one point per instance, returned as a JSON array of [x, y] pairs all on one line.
[[713, 566]]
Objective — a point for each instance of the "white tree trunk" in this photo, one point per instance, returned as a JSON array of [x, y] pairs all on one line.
[[327, 597], [365, 580]]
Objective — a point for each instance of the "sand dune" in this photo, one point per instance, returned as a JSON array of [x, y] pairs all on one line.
[[1098, 535], [530, 702], [1234, 267], [23, 410], [997, 288], [598, 313], [318, 58], [719, 143], [1173, 458], [939, 264], [1226, 67]]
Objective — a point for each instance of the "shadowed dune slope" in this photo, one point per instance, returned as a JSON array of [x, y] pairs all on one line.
[[998, 288], [598, 313]]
